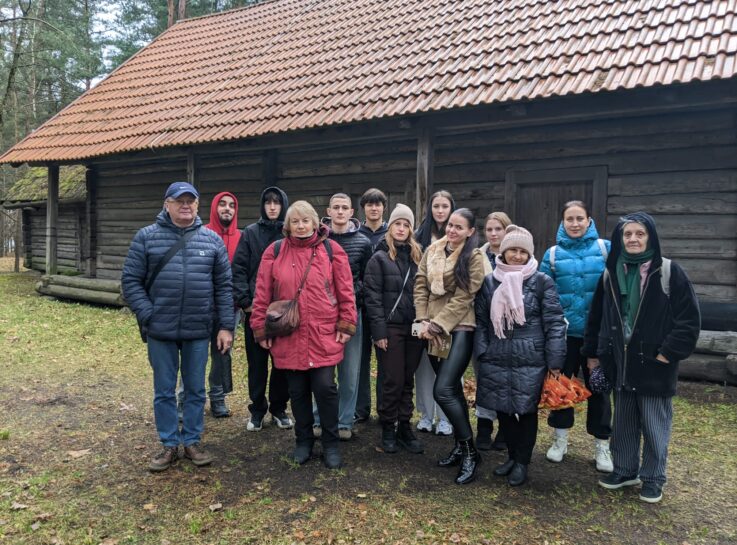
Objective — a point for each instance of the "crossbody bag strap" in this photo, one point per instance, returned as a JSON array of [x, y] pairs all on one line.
[[307, 270], [181, 243], [401, 292]]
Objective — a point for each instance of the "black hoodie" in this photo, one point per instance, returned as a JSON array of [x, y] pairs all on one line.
[[665, 324], [254, 240]]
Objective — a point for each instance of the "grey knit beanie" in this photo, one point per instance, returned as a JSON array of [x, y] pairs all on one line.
[[517, 237]]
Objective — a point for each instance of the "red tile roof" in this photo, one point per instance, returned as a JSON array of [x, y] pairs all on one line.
[[287, 65]]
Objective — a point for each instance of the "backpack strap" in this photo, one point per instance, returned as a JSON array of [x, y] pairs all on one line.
[[551, 257], [326, 242], [602, 247], [665, 277]]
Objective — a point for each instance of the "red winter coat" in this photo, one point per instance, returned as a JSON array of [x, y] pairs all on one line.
[[327, 303]]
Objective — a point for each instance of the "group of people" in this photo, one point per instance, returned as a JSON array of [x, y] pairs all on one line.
[[430, 301]]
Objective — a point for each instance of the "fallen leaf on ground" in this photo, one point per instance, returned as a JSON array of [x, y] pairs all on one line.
[[35, 526], [79, 453], [43, 516], [15, 506], [216, 507], [150, 507]]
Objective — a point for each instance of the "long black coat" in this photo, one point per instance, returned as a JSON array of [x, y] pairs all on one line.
[[667, 325], [512, 370], [383, 283]]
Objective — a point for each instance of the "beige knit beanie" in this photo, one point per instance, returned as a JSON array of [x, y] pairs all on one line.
[[517, 237], [402, 212]]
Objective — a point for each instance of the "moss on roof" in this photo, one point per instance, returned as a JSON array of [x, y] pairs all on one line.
[[33, 186]]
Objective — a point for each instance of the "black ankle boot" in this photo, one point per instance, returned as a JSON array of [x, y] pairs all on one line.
[[453, 458], [518, 475], [407, 440], [331, 456], [302, 453], [388, 437], [504, 469], [469, 462], [485, 428]]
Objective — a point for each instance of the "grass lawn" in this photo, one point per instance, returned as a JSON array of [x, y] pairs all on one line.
[[76, 434]]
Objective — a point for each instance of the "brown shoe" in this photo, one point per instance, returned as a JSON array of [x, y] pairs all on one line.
[[164, 459], [198, 455]]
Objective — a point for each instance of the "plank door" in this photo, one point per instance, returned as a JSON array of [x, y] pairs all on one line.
[[535, 198]]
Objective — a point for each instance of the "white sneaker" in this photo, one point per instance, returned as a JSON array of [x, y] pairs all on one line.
[[444, 428], [425, 424], [603, 457], [558, 449]]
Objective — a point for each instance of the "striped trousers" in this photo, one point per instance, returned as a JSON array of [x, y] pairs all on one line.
[[641, 416]]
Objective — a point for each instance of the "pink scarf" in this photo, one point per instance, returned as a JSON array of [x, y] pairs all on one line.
[[507, 304]]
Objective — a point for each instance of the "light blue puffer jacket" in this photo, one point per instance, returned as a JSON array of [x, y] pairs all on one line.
[[192, 294], [578, 266]]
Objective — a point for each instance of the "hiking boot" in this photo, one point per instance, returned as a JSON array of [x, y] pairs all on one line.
[[470, 461], [518, 475], [444, 428], [360, 418], [164, 459], [388, 437], [499, 443], [603, 457], [615, 481], [484, 429], [218, 408], [407, 439], [198, 455], [331, 456], [504, 469], [345, 434], [424, 425], [651, 492], [255, 423], [302, 453], [559, 448], [453, 458], [282, 421]]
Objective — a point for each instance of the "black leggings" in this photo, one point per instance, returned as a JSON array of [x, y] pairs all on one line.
[[448, 389]]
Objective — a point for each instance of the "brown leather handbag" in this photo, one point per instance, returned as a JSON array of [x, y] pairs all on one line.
[[282, 317]]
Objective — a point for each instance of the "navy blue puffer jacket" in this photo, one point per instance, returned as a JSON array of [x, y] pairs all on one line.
[[512, 370], [193, 291]]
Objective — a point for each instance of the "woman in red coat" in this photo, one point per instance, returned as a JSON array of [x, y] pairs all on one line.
[[327, 310]]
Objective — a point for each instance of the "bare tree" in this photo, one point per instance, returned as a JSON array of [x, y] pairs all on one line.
[[170, 11]]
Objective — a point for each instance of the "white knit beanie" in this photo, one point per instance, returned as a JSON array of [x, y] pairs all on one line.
[[402, 212], [517, 237]]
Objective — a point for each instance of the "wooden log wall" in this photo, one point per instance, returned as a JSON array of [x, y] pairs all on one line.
[[68, 241], [679, 167]]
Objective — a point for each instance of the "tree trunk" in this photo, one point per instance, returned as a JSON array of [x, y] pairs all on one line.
[[15, 59], [18, 240], [170, 12], [182, 9]]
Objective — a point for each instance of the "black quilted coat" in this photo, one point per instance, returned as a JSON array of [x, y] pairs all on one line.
[[383, 282], [512, 370]]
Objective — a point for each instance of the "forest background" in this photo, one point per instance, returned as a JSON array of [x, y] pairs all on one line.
[[55, 50]]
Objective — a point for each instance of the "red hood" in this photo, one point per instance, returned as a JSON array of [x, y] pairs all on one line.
[[230, 234]]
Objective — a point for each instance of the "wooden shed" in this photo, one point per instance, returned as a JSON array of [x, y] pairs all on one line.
[[517, 105], [29, 194]]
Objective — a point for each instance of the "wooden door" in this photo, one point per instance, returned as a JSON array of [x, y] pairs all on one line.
[[535, 199]]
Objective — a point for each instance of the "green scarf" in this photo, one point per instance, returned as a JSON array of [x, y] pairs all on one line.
[[629, 282]]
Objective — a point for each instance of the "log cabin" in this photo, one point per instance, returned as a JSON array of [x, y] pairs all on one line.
[[517, 105]]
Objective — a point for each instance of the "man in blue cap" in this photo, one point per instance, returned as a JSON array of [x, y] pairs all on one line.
[[177, 281]]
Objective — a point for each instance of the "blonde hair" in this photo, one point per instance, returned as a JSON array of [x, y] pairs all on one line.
[[415, 250], [501, 217], [301, 209]]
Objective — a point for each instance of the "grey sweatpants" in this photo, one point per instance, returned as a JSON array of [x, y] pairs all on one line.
[[641, 416]]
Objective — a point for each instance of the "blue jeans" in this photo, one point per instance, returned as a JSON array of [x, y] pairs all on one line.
[[164, 357], [348, 373]]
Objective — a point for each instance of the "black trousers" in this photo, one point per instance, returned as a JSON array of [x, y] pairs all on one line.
[[319, 382], [520, 435], [599, 408], [363, 402], [258, 377], [448, 388], [398, 365]]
